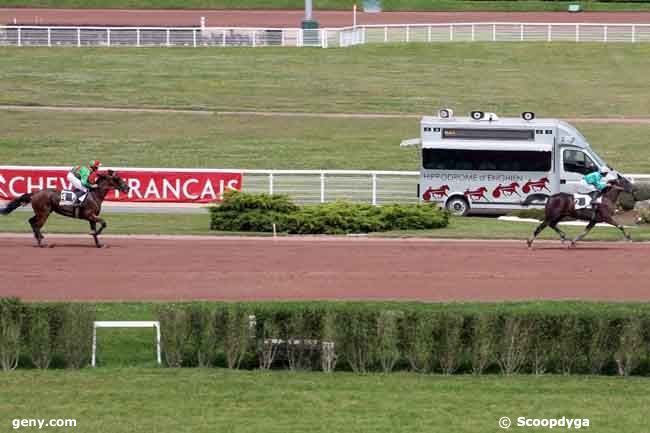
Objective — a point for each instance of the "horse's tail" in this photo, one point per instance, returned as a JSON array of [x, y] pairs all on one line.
[[16, 203]]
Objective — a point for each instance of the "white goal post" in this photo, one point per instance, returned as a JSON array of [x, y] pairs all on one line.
[[128, 324]]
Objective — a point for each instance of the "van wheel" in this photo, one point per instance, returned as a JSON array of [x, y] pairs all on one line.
[[458, 206]]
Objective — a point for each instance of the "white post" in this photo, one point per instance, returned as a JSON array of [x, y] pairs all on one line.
[[354, 15], [223, 38], [282, 38], [271, 183], [363, 35], [408, 33], [108, 37], [494, 32], [137, 37], [577, 32], [49, 36], [341, 38], [78, 36], [385, 33], [93, 358], [521, 32], [158, 343], [20, 38], [429, 34], [323, 38], [194, 38], [202, 23], [322, 187], [549, 33], [253, 37], [301, 35], [633, 33], [374, 189], [473, 33], [605, 34], [167, 37], [451, 32]]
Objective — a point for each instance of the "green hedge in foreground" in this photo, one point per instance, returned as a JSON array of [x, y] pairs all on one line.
[[243, 212], [388, 337], [45, 335]]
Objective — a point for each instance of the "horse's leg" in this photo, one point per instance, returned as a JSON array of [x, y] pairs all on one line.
[[553, 225], [590, 226], [538, 230], [93, 219], [37, 234], [39, 222], [610, 220], [102, 224]]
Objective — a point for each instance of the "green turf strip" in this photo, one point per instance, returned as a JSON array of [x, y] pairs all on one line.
[[251, 142], [555, 79]]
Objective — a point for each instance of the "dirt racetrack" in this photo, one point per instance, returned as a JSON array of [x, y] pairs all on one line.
[[290, 18], [181, 268]]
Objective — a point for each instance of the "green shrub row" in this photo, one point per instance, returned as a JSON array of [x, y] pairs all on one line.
[[44, 335], [383, 338], [259, 212]]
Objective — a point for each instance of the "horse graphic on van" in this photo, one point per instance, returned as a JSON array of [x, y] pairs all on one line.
[[435, 193], [477, 194]]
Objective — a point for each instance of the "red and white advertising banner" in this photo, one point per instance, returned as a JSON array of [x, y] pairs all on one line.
[[148, 185]]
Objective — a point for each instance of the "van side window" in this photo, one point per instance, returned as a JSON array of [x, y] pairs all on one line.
[[486, 160], [576, 161]]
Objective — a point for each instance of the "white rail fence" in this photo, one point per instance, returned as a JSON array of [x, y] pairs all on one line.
[[24, 36], [320, 186]]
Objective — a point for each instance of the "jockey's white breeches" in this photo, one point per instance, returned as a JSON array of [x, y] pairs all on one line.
[[75, 182]]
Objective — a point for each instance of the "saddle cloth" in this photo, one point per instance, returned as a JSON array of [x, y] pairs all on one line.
[[68, 197], [582, 201]]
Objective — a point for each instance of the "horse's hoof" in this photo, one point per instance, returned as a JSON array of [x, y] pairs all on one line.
[[100, 245], [572, 244], [529, 243]]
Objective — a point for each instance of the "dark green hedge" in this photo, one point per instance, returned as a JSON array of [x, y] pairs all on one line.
[[243, 212], [364, 337], [45, 335]]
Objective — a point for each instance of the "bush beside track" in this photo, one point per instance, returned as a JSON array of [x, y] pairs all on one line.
[[245, 212]]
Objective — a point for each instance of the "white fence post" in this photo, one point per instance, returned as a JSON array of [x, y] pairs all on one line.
[[223, 38], [374, 189], [549, 33], [194, 38], [577, 32], [521, 33], [605, 34], [322, 187], [282, 38], [49, 36], [271, 183], [323, 36], [20, 37], [633, 33], [473, 33], [167, 42], [253, 37], [494, 32], [408, 33], [78, 36], [429, 34], [385, 33], [137, 37], [108, 37], [451, 32]]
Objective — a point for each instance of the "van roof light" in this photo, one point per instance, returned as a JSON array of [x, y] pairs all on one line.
[[446, 113]]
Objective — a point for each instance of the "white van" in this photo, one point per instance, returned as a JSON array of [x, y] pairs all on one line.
[[486, 164]]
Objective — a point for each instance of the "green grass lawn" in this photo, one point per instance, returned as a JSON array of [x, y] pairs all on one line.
[[556, 79], [130, 400], [387, 5], [251, 142], [197, 224]]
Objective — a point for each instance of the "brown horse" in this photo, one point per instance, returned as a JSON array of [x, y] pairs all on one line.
[[562, 205], [46, 201]]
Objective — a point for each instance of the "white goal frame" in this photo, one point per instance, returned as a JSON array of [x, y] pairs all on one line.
[[127, 324]]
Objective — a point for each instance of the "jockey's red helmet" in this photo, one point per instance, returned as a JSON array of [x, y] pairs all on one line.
[[95, 164]]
